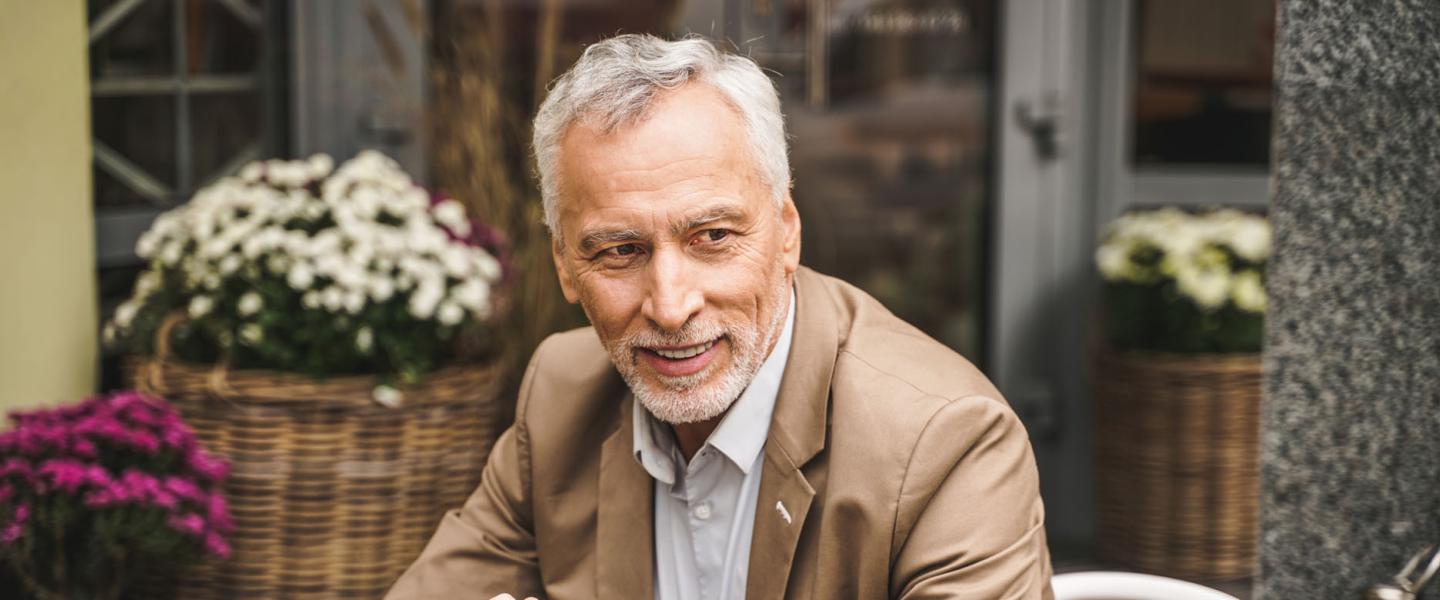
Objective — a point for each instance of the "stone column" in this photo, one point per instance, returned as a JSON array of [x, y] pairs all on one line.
[[1351, 467]]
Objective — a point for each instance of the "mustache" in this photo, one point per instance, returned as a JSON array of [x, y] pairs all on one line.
[[690, 334]]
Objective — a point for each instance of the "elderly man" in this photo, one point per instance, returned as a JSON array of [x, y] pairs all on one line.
[[733, 424]]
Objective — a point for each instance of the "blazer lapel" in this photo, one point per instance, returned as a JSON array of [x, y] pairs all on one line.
[[624, 536], [797, 434]]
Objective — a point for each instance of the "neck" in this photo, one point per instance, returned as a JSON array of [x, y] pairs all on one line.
[[691, 436]]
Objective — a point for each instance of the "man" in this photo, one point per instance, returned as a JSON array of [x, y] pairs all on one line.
[[732, 425]]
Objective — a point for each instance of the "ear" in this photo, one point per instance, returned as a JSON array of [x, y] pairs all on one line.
[[790, 229], [562, 271]]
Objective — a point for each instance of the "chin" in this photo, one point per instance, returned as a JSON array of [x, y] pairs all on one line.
[[676, 403]]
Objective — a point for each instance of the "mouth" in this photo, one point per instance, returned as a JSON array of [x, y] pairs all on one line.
[[680, 361]]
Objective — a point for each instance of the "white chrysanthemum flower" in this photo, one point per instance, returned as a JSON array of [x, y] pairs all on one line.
[[125, 313], [310, 300], [1113, 259], [473, 295], [252, 172], [364, 340], [1250, 238], [146, 284], [381, 288], [450, 214], [171, 253], [425, 299], [1209, 288], [354, 302], [230, 264], [1248, 293], [278, 264], [320, 165], [387, 396], [487, 265], [333, 299], [300, 276], [252, 334], [456, 259], [249, 304], [200, 306], [450, 314]]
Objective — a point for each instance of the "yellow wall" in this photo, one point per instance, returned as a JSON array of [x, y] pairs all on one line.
[[47, 258]]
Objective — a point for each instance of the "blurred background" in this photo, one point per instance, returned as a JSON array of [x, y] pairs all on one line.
[[958, 159]]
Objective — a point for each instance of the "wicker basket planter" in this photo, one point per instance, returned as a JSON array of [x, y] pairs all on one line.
[[1178, 464], [333, 495]]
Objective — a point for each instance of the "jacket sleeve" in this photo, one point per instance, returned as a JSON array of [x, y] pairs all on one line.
[[970, 523], [487, 547]]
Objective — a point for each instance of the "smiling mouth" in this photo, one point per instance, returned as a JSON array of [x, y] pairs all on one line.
[[680, 361], [686, 352]]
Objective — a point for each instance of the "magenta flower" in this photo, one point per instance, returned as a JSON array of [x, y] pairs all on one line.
[[183, 488], [10, 534], [211, 469], [117, 456], [189, 523], [216, 545]]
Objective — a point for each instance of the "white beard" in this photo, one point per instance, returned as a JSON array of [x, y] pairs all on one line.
[[679, 400]]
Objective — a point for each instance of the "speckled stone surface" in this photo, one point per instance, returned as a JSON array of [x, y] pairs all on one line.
[[1351, 466]]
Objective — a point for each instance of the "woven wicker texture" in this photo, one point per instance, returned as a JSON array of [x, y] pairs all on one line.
[[1178, 462], [333, 495]]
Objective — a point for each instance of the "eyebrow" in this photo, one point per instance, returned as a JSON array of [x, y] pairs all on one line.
[[718, 213], [590, 239]]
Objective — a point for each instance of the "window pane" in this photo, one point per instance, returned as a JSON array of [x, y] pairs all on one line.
[[1203, 87]]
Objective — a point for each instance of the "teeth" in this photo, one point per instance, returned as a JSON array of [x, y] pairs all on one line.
[[686, 352]]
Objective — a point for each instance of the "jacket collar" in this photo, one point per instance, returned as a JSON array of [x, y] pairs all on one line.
[[801, 411]]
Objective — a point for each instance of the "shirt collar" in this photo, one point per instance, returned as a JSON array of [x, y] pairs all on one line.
[[741, 434]]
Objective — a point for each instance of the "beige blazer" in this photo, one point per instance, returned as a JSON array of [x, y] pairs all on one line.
[[903, 472]]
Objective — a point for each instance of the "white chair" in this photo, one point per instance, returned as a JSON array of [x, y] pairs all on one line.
[[1115, 585]]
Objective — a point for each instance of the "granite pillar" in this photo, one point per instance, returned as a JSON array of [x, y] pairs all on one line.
[[1351, 443]]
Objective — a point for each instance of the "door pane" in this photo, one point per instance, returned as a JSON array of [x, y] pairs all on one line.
[[1203, 87]]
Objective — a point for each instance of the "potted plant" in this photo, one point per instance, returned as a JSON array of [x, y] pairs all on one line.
[[326, 330], [93, 492], [1177, 390]]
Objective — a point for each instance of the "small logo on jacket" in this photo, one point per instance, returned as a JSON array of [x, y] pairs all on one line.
[[784, 514]]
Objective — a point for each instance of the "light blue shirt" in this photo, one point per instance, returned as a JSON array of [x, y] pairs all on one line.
[[705, 511]]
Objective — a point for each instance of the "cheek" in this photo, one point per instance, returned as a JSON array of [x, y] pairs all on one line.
[[609, 303]]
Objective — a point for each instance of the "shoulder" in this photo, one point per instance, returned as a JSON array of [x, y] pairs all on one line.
[[892, 382]]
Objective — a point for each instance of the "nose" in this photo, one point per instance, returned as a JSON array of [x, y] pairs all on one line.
[[673, 295]]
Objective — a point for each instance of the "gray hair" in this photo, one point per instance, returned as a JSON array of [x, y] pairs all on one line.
[[616, 81]]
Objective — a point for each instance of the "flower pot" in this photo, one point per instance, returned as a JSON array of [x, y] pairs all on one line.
[[333, 494], [1178, 470]]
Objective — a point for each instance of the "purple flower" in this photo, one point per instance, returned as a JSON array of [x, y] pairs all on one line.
[[145, 441], [189, 523], [84, 448], [22, 514], [7, 491], [208, 468], [65, 475], [218, 511], [183, 487], [10, 534], [216, 545]]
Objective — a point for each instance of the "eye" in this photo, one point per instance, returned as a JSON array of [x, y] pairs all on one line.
[[621, 250], [716, 235]]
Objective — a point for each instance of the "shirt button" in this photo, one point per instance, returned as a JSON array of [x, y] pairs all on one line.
[[702, 511]]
